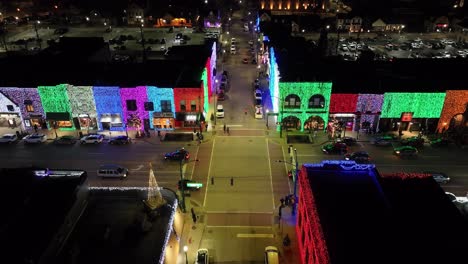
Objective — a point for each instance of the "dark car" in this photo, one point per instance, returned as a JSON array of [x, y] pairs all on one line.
[[179, 155], [347, 140], [413, 141], [189, 185], [221, 95], [406, 151], [120, 140], [383, 141], [65, 140], [359, 157], [335, 148], [440, 142], [60, 31]]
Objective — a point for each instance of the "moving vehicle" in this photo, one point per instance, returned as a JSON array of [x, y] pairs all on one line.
[[179, 155], [202, 256], [245, 60], [406, 151], [120, 140], [271, 255], [358, 156], [335, 148], [35, 138], [8, 138], [439, 177], [65, 140], [233, 49], [92, 139], [220, 111], [112, 171]]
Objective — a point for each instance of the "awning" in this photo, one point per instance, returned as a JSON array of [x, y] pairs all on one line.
[[116, 118], [58, 116], [163, 115], [105, 118]]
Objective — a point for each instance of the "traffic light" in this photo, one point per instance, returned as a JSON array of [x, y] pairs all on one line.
[[194, 185]]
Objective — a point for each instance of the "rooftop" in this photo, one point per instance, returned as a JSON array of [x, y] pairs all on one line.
[[369, 219], [110, 230], [34, 208]]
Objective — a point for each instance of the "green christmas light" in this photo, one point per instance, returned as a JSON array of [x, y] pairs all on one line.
[[55, 100], [206, 103], [423, 105], [305, 91]]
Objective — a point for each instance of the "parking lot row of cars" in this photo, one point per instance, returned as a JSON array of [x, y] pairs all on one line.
[[38, 138]]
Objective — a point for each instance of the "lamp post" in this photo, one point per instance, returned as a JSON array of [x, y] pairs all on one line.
[[182, 183], [37, 33], [142, 40], [296, 173], [185, 251], [214, 99]]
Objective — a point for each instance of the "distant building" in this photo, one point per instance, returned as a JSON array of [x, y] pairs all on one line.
[[353, 24], [381, 26], [284, 7], [349, 213], [135, 13]]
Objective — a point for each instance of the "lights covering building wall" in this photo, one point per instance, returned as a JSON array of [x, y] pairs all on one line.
[[55, 100], [274, 81], [138, 94], [188, 117], [33, 114], [370, 106], [81, 100], [343, 103], [10, 113], [305, 91], [423, 105], [455, 103], [156, 95], [107, 101], [206, 91]]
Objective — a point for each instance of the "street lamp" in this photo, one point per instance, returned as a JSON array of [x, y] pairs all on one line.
[[37, 33], [182, 183], [142, 40], [295, 175], [185, 251]]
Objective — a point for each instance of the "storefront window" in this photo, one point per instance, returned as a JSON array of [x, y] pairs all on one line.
[[29, 108], [65, 123]]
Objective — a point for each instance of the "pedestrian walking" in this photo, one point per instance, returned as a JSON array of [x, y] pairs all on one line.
[[206, 127], [227, 130], [224, 128], [35, 128]]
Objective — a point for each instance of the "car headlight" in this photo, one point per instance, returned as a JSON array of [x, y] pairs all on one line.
[[347, 158], [397, 152]]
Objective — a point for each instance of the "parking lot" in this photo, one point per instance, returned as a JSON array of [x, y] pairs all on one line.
[[386, 47]]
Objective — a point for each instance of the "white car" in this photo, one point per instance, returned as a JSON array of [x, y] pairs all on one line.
[[8, 138], [233, 49], [233, 40], [220, 111], [251, 42], [92, 139], [258, 94], [35, 138], [258, 112]]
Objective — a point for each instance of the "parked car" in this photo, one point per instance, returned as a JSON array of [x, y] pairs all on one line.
[[245, 60], [335, 148], [120, 140], [189, 185], [179, 155], [439, 177], [413, 141], [202, 256], [35, 138], [9, 138], [406, 151], [65, 140], [258, 94], [220, 111], [440, 142], [383, 141], [92, 139], [221, 95], [347, 140], [358, 156]]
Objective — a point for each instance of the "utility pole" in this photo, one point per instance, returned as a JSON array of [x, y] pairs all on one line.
[[143, 40], [182, 185], [296, 173]]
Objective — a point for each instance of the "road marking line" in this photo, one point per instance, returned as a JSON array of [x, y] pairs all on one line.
[[286, 169], [255, 235], [237, 212], [195, 163], [271, 176], [235, 126], [209, 172], [246, 226]]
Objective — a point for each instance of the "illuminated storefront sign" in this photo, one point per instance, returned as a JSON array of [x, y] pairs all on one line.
[[406, 116]]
